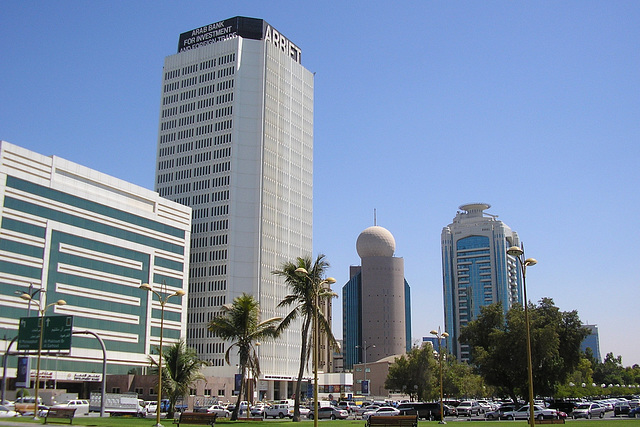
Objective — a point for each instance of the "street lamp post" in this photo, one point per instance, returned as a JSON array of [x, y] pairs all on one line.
[[518, 253], [32, 295], [163, 301], [318, 286], [41, 312], [365, 347], [439, 337]]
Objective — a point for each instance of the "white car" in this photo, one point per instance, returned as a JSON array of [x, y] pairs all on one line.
[[219, 410], [304, 411], [6, 412], [383, 410], [81, 405]]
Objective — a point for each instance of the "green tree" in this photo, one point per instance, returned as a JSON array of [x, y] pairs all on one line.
[[498, 347], [307, 293], [610, 371], [459, 380], [415, 374], [181, 367], [241, 324], [579, 381]]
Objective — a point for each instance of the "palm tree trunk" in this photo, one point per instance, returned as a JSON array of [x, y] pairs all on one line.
[[303, 352], [234, 414]]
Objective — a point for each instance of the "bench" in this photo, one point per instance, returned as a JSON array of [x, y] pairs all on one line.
[[392, 421], [60, 413], [203, 418], [551, 421]]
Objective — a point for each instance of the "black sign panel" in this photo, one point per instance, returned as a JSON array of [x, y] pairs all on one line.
[[249, 28], [240, 26], [55, 336]]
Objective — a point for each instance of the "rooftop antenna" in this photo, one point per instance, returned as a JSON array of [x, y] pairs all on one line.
[[375, 221]]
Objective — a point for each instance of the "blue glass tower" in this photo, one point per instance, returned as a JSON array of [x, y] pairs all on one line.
[[592, 341], [476, 270]]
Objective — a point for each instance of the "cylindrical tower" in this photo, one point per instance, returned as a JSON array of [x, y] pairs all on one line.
[[383, 294]]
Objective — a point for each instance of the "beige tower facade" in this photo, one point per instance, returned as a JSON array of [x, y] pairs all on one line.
[[383, 295]]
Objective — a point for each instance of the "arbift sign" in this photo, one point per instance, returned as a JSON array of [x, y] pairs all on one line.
[[240, 26]]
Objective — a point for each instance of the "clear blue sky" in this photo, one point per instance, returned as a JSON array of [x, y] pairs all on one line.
[[420, 106]]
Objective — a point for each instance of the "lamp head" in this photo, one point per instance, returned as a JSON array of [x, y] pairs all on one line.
[[302, 271], [330, 280], [434, 332], [530, 261], [445, 335], [515, 251], [26, 297], [179, 293], [61, 302], [145, 286]]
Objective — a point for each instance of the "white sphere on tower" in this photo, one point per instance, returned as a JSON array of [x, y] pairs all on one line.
[[375, 241]]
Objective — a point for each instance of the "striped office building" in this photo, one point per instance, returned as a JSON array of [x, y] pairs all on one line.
[[68, 232]]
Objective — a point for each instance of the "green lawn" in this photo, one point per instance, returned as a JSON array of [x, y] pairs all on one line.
[[149, 422]]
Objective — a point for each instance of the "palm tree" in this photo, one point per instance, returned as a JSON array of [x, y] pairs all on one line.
[[181, 367], [241, 324], [307, 294]]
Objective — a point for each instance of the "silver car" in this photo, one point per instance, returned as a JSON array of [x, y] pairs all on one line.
[[329, 412], [539, 413], [588, 410]]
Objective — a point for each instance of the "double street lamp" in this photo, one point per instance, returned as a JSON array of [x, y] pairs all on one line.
[[41, 312], [364, 348], [439, 336], [32, 293], [163, 297], [518, 253], [318, 289]]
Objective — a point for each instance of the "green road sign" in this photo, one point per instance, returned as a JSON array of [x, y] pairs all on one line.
[[56, 333]]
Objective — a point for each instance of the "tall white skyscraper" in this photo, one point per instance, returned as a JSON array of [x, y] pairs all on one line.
[[476, 269], [236, 144]]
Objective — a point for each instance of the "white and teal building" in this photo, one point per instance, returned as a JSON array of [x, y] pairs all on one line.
[[91, 240], [476, 270]]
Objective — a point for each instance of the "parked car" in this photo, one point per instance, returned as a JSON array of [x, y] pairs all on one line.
[[621, 408], [25, 405], [498, 414], [6, 412], [588, 410], [606, 404], [539, 413], [347, 406], [81, 405], [304, 411], [450, 411], [257, 410], [635, 412], [365, 408], [279, 410], [330, 412], [383, 410], [427, 411], [469, 408], [219, 410], [563, 406]]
